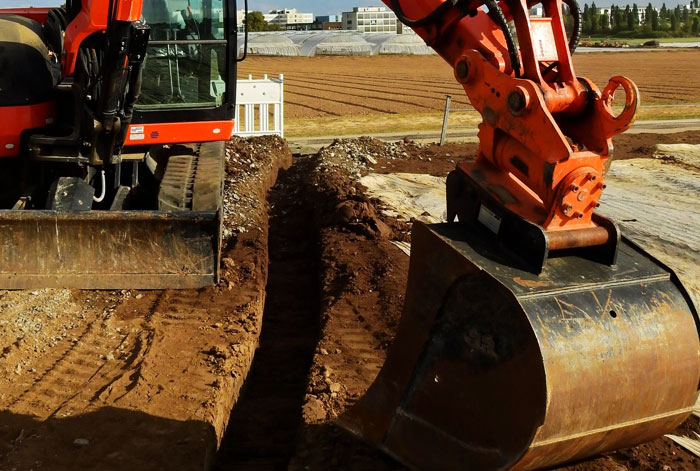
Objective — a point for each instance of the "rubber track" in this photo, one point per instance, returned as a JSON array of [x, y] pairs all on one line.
[[193, 178]]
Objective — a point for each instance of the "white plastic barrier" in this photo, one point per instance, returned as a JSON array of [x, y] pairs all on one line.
[[260, 107]]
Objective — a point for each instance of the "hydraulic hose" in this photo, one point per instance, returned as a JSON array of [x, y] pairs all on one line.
[[430, 18], [99, 199], [575, 11], [497, 16]]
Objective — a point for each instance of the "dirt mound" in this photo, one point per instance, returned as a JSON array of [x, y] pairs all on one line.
[[643, 145], [251, 164], [363, 277], [139, 380], [403, 156], [339, 199], [362, 283]]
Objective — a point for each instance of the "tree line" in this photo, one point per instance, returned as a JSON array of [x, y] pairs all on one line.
[[627, 21], [256, 22]]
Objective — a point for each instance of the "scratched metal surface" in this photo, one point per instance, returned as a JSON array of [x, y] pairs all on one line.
[[496, 368], [656, 204], [108, 249]]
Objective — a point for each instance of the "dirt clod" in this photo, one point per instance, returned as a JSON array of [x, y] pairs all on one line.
[[314, 411], [81, 442]]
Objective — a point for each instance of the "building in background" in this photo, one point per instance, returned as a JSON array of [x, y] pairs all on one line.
[[370, 20], [403, 29], [330, 19], [329, 23], [290, 18]]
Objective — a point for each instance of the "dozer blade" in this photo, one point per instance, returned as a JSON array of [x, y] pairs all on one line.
[[108, 249], [495, 368]]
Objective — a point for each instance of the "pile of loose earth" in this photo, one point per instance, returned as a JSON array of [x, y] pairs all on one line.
[[139, 380], [362, 281], [153, 380]]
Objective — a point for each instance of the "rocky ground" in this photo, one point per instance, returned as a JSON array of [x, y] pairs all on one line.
[[140, 380]]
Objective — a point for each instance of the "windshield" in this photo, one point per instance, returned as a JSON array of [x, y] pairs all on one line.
[[186, 60]]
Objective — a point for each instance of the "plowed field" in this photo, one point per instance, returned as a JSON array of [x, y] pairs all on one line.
[[341, 86]]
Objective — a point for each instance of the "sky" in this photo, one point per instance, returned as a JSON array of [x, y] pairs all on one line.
[[327, 7]]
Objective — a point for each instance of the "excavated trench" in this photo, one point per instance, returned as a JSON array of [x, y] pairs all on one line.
[[132, 373], [334, 294], [263, 426]]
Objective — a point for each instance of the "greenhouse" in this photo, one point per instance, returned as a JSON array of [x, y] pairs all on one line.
[[271, 45], [333, 43]]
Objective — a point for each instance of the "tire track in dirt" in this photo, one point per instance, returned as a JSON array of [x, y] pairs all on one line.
[[62, 376], [98, 360]]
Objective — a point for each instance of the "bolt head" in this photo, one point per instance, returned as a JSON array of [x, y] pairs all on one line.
[[462, 69], [518, 101]]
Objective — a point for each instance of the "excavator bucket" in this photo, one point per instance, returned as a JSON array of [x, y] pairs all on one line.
[[496, 368], [108, 249]]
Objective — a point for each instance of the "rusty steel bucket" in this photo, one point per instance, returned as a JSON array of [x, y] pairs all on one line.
[[109, 249], [496, 368]]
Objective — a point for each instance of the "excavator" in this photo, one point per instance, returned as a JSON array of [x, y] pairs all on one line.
[[533, 332], [114, 117]]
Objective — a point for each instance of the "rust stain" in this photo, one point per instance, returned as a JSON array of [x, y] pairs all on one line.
[[529, 283], [604, 312], [596, 299]]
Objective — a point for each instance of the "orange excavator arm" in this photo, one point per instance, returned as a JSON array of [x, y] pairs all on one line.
[[506, 357], [545, 139]]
